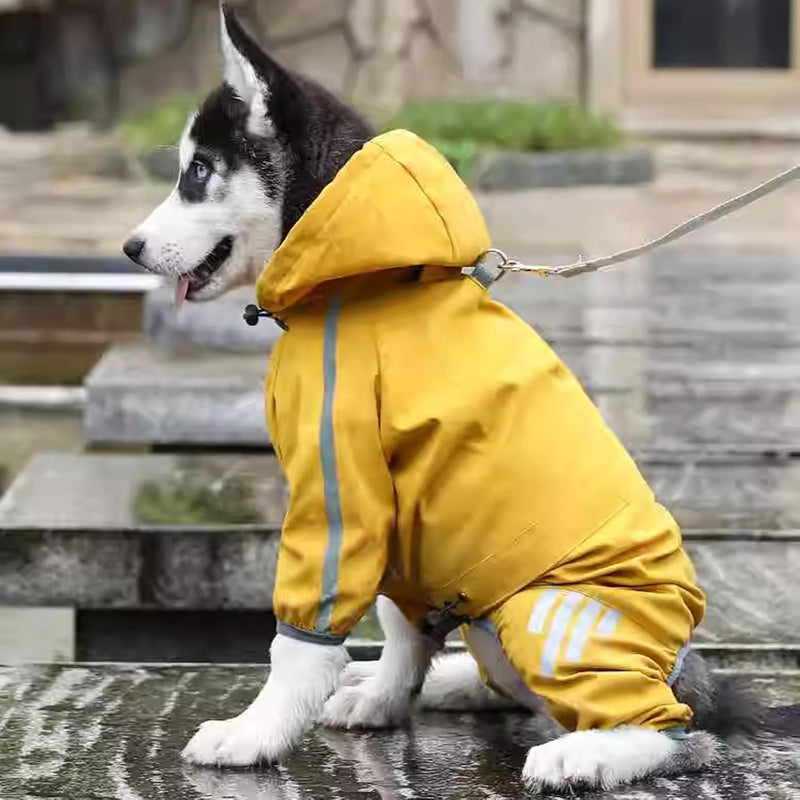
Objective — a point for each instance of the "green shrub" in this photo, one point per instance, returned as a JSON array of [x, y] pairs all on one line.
[[460, 128], [195, 497], [160, 126]]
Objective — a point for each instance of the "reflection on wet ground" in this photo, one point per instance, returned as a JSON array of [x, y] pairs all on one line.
[[85, 733]]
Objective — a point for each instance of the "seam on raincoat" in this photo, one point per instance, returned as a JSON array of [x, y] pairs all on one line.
[[565, 558], [303, 635], [327, 446], [426, 196], [491, 555], [272, 413]]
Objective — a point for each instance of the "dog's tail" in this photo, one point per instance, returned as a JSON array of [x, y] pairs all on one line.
[[725, 704]]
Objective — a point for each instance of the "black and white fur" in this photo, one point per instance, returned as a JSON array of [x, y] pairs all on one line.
[[252, 159]]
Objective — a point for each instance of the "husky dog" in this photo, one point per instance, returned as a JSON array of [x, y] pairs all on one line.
[[253, 157]]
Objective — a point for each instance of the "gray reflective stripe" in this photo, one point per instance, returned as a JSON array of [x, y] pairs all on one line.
[[580, 633], [327, 448], [285, 629], [541, 610], [676, 669], [558, 629], [608, 624]]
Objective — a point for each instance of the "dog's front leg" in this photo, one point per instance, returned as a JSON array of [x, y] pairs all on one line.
[[384, 699], [302, 677]]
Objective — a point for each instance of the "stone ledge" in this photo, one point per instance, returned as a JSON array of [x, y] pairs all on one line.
[[68, 535], [69, 538], [504, 170], [672, 403], [137, 396]]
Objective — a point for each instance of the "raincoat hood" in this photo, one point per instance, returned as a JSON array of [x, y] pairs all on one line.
[[396, 203]]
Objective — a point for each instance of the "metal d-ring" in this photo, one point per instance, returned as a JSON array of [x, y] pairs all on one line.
[[502, 266]]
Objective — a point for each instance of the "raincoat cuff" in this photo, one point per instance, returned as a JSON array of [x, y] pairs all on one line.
[[313, 637]]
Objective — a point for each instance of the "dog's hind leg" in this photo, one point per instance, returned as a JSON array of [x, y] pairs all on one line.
[[454, 684], [384, 698], [607, 758]]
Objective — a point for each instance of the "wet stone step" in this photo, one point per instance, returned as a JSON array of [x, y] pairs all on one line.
[[137, 396], [72, 732], [73, 535], [122, 531], [669, 398]]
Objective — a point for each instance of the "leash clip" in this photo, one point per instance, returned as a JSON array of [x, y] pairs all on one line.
[[487, 273]]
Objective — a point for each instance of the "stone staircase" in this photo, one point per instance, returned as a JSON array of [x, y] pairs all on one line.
[[693, 357]]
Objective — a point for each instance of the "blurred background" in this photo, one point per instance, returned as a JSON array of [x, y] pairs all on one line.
[[140, 504]]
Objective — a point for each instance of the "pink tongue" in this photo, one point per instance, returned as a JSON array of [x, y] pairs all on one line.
[[181, 290]]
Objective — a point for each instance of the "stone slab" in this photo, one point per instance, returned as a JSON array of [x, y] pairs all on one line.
[[68, 534], [89, 492], [91, 732], [68, 538], [508, 170], [137, 396], [654, 398]]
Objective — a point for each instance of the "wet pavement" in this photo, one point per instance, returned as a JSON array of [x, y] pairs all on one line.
[[101, 732]]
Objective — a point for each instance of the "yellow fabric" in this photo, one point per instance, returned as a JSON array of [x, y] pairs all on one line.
[[396, 203], [466, 461], [603, 678]]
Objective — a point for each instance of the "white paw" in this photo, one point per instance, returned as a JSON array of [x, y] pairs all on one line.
[[357, 672], [237, 742], [601, 759], [362, 707]]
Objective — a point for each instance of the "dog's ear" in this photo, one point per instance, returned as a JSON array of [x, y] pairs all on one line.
[[249, 71]]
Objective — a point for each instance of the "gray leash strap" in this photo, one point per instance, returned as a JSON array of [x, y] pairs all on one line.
[[487, 273]]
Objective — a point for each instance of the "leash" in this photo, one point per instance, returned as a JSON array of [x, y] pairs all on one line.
[[487, 273]]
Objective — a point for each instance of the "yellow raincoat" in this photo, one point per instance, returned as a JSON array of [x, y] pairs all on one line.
[[437, 450]]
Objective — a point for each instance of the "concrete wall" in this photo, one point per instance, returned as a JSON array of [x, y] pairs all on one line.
[[113, 57], [383, 52]]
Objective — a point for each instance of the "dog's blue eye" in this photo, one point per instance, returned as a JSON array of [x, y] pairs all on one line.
[[199, 171]]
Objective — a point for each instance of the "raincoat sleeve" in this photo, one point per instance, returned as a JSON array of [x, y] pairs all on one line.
[[323, 413]]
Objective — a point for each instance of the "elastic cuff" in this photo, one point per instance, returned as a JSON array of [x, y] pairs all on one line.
[[678, 665], [678, 733], [313, 637]]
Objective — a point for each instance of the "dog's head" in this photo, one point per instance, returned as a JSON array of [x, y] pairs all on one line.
[[253, 157]]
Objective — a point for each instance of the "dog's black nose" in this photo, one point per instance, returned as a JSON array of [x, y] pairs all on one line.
[[133, 249]]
